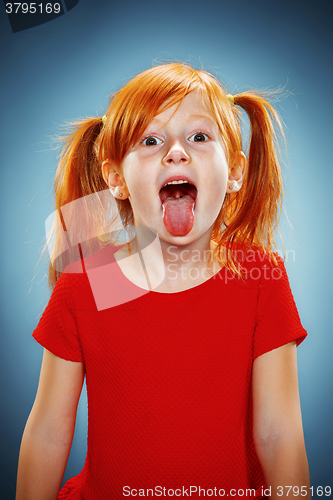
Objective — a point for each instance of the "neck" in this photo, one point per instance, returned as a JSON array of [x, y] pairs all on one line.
[[153, 263]]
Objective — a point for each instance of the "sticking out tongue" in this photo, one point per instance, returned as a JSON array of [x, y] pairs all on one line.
[[178, 202]]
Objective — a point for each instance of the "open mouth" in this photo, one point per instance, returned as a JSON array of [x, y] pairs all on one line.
[[178, 199]]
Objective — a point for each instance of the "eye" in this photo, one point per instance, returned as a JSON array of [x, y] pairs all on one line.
[[151, 141], [199, 137]]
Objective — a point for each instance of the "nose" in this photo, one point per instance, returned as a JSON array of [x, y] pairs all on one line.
[[176, 154]]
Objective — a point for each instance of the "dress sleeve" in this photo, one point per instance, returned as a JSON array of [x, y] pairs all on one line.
[[277, 321], [57, 329]]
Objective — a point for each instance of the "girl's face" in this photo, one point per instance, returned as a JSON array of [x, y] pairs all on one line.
[[179, 144]]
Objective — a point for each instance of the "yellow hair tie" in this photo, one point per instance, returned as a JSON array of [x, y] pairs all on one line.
[[104, 119], [231, 98]]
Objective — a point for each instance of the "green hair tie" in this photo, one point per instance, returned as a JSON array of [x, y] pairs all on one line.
[[231, 98], [104, 119]]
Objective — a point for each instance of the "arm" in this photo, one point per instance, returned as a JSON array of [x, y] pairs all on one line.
[[48, 433], [277, 422]]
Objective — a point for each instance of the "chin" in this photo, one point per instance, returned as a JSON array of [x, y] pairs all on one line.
[[184, 240]]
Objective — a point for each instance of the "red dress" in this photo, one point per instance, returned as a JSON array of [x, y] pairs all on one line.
[[169, 379]]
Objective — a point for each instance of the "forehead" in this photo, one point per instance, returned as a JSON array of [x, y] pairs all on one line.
[[193, 106]]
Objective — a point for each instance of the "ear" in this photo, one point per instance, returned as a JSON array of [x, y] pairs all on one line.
[[114, 180], [236, 172]]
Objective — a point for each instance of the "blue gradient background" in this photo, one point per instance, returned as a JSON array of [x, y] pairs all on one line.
[[66, 69]]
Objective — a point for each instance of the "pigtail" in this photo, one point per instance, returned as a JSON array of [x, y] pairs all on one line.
[[251, 215], [77, 176], [78, 172]]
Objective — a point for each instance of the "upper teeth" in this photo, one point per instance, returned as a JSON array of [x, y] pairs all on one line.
[[176, 182]]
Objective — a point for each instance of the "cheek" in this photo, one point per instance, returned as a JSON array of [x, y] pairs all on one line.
[[217, 196], [218, 179], [130, 173], [138, 188], [216, 184], [136, 170]]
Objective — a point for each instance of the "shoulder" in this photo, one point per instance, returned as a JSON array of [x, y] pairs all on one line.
[[101, 257], [71, 290], [74, 283], [259, 266], [71, 282], [254, 255]]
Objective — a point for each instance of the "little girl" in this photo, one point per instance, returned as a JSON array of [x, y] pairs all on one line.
[[187, 334]]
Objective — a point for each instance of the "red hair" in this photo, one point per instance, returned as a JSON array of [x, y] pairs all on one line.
[[248, 216]]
